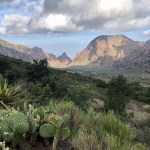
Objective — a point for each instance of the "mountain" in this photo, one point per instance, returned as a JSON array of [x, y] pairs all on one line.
[[139, 58], [15, 51], [116, 51], [105, 50], [28, 54], [64, 58]]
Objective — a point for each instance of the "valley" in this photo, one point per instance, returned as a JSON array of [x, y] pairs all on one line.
[[87, 100], [110, 74], [74, 75]]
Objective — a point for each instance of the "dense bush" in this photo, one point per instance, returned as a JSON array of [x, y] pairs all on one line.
[[118, 93], [80, 95], [4, 65], [37, 92], [143, 131], [38, 70], [148, 92], [101, 84]]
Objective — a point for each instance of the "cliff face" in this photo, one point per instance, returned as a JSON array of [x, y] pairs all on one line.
[[105, 50], [28, 54], [139, 58]]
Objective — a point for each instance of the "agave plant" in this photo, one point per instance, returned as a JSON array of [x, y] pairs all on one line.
[[8, 93]]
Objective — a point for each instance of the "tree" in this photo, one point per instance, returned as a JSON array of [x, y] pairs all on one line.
[[4, 65], [118, 95], [38, 70], [80, 95]]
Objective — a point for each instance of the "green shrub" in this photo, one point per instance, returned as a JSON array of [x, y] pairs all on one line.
[[143, 131], [36, 92], [80, 95], [118, 95], [86, 140], [38, 70], [143, 136], [104, 131], [101, 84]]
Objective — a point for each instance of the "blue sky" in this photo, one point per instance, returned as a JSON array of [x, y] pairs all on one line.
[[68, 25]]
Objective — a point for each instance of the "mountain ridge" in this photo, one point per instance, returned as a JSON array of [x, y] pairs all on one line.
[[116, 51], [28, 54]]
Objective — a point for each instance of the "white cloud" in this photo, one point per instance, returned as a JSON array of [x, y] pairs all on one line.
[[55, 21], [15, 24], [2, 30], [146, 33], [60, 16], [8, 1]]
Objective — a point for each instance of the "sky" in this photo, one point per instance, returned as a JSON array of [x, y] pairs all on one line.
[[69, 25]]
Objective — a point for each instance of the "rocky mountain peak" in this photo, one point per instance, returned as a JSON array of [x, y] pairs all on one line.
[[64, 58], [105, 49]]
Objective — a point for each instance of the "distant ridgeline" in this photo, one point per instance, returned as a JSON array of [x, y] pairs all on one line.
[[116, 51], [28, 54]]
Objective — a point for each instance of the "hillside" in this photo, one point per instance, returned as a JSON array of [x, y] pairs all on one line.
[[44, 98], [28, 54]]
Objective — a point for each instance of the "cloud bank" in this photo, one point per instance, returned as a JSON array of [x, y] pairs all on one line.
[[68, 16]]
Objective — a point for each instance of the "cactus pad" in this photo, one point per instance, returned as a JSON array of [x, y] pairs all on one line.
[[47, 130], [12, 122], [18, 122], [65, 133]]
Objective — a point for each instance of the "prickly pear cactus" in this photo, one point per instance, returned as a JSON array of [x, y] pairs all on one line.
[[5, 130], [4, 114], [12, 123], [65, 133], [55, 127], [57, 120], [18, 122], [32, 116], [41, 112], [47, 130]]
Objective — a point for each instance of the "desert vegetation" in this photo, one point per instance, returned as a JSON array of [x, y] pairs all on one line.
[[44, 108]]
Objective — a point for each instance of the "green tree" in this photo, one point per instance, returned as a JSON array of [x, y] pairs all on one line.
[[118, 95], [38, 70], [79, 95], [4, 65], [101, 83]]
